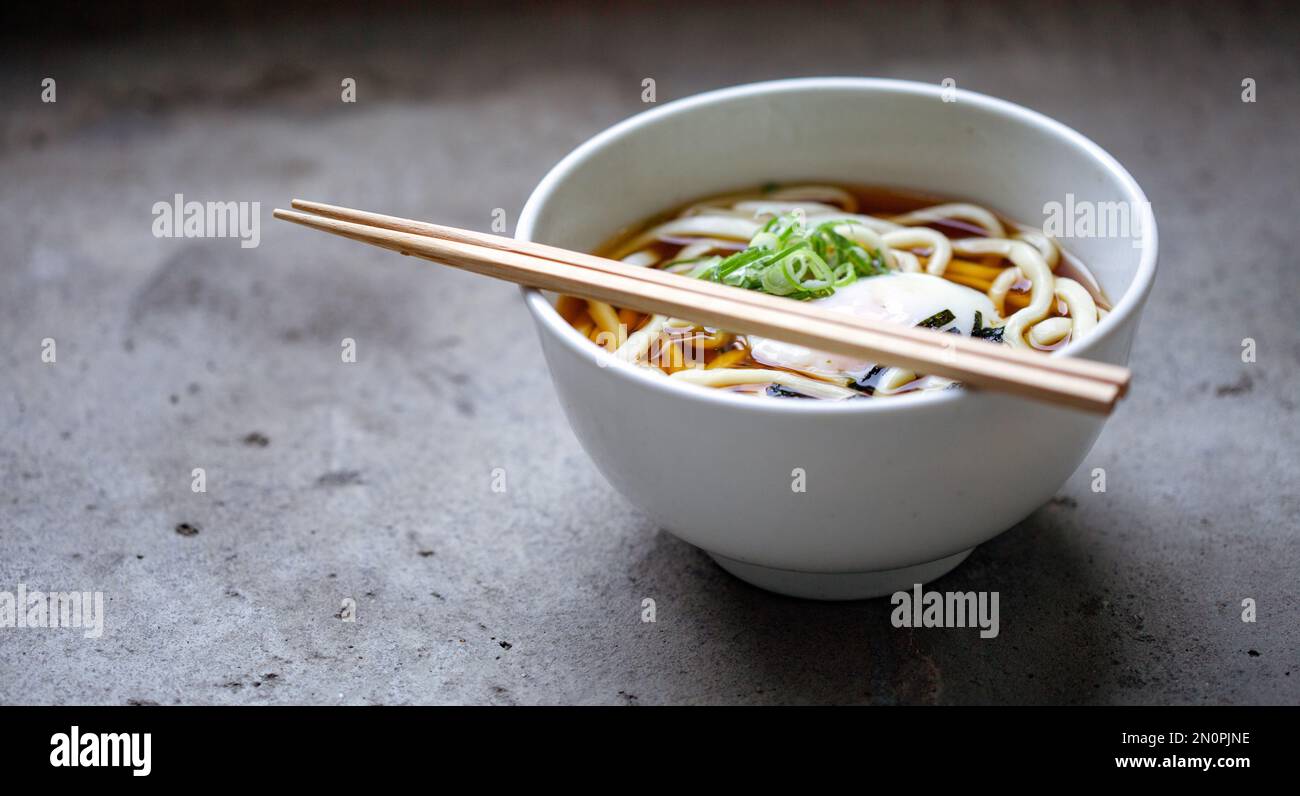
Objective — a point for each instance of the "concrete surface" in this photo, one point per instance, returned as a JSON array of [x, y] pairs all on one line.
[[372, 480]]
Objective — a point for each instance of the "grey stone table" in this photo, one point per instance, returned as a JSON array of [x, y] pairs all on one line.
[[372, 481]]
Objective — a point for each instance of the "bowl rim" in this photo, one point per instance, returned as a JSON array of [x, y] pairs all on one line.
[[549, 319]]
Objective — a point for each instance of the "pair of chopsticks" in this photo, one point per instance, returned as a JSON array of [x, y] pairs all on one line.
[[1077, 383]]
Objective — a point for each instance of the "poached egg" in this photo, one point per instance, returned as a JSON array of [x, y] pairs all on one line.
[[901, 298]]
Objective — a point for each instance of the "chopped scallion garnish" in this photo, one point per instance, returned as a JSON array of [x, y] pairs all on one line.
[[784, 258]]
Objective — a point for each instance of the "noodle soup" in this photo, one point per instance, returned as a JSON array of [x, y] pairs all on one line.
[[881, 254]]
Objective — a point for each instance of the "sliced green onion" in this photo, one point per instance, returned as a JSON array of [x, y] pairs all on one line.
[[784, 258]]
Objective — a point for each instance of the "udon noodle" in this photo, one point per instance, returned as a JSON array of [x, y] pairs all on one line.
[[952, 266]]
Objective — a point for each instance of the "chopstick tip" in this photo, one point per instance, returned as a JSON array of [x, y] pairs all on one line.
[[308, 205]]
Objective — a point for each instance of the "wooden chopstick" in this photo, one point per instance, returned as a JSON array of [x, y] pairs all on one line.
[[722, 307], [1097, 370]]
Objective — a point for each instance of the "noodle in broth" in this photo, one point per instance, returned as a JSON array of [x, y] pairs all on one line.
[[884, 254]]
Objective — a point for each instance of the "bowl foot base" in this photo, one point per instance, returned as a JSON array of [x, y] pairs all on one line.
[[840, 585]]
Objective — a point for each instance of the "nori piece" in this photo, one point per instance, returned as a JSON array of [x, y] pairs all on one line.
[[938, 320], [861, 384], [777, 391], [992, 333]]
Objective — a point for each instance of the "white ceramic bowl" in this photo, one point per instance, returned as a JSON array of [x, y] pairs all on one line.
[[898, 490]]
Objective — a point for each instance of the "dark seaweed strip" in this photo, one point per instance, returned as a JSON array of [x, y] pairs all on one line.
[[777, 391], [993, 333], [863, 384], [938, 320]]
